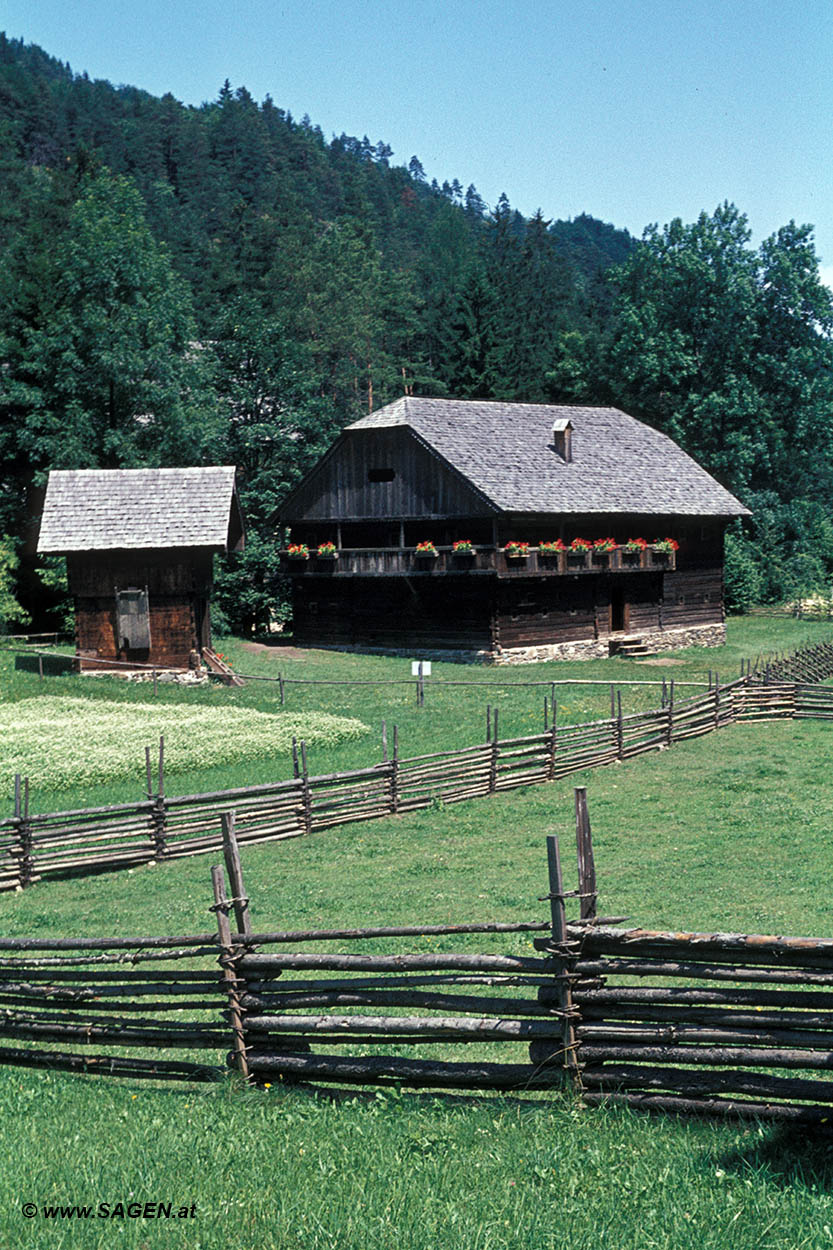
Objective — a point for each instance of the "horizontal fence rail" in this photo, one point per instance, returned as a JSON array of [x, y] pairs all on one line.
[[118, 1007], [162, 827], [714, 1023]]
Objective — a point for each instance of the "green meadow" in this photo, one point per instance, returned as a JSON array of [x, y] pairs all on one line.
[[730, 831]]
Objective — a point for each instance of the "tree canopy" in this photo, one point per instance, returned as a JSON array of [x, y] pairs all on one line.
[[185, 285]]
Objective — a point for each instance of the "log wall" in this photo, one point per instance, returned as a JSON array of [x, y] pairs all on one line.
[[455, 613], [179, 590], [473, 613]]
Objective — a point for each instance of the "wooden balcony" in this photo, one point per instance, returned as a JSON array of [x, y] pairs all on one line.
[[485, 562]]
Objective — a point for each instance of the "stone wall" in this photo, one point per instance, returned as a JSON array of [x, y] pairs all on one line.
[[588, 649], [599, 648]]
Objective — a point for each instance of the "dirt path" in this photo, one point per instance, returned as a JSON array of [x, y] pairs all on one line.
[[261, 648]]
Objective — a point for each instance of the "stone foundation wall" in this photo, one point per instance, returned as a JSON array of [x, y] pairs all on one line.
[[691, 636], [599, 648], [587, 649]]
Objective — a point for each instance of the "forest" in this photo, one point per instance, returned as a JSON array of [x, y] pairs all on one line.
[[226, 284]]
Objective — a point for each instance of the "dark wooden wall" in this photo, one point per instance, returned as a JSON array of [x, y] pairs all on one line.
[[447, 614], [539, 612], [179, 590], [482, 613], [423, 486], [453, 613], [693, 593]]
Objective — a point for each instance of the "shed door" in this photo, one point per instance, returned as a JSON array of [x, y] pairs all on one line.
[[133, 620]]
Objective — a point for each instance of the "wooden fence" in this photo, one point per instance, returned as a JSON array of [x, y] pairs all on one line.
[[163, 827], [692, 1022], [705, 1022], [745, 1026], [810, 663], [132, 1005]]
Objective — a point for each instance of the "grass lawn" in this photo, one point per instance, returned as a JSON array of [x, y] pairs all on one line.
[[728, 831], [452, 716]]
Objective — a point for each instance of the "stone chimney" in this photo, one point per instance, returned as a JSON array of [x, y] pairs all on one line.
[[562, 439]]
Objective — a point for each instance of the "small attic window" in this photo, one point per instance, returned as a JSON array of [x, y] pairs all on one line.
[[381, 475], [562, 439]]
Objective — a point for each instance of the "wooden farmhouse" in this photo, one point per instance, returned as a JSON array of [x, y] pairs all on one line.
[[139, 545], [438, 471]]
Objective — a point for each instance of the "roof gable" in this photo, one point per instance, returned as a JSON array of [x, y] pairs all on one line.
[[618, 465], [390, 471], [118, 509]]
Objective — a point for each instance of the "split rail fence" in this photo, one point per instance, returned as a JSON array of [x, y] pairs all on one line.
[[163, 827], [721, 1023]]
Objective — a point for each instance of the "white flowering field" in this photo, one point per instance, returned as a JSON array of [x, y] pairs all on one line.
[[60, 742]]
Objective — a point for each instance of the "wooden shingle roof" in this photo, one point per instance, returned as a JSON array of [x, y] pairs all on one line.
[[619, 464], [114, 509]]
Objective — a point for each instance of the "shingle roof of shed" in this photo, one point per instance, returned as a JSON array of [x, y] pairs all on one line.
[[110, 509], [618, 463]]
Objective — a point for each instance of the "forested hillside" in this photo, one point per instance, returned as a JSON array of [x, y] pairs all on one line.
[[225, 284]]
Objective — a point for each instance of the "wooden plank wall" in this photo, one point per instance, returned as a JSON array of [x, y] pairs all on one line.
[[423, 486], [478, 614]]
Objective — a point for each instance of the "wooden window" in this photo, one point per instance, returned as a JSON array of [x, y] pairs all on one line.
[[133, 619], [381, 475]]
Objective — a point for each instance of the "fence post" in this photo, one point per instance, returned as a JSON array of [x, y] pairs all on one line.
[[17, 823], [584, 851], [620, 729], [495, 750], [559, 951], [305, 789], [717, 700], [488, 722], [553, 741], [228, 961], [24, 831], [280, 687], [384, 742], [296, 772], [234, 868], [159, 815], [670, 731], [394, 772]]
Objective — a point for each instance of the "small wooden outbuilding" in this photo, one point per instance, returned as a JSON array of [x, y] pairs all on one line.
[[140, 545], [537, 476]]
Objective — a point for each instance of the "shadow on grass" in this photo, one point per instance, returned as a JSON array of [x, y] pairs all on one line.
[[532, 1101], [786, 1156]]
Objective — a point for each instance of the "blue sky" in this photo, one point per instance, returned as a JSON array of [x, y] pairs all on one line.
[[633, 110]]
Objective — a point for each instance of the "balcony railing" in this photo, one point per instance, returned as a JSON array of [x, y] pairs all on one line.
[[485, 561]]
